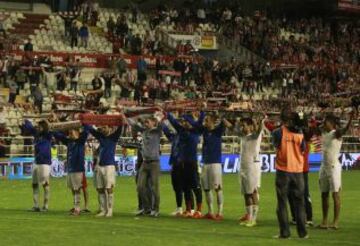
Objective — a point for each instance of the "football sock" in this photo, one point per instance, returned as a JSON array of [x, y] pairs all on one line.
[[46, 196], [220, 201], [77, 201], [255, 209], [102, 197], [209, 200], [110, 202], [36, 197], [249, 211]]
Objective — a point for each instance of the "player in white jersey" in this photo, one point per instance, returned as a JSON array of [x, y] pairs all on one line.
[[330, 170], [250, 168]]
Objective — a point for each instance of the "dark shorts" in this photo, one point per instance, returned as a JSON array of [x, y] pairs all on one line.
[[191, 177], [177, 174]]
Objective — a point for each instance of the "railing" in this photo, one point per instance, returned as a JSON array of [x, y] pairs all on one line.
[[14, 147]]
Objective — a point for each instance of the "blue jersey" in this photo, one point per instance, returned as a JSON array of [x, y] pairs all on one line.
[[107, 146], [75, 150], [188, 140], [42, 142], [174, 139], [211, 150]]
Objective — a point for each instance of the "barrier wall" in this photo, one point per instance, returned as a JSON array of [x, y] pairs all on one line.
[[21, 168]]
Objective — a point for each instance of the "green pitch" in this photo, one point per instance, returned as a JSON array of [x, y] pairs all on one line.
[[56, 227]]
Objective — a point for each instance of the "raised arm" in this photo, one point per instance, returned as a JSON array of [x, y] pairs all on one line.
[[84, 134], [276, 136], [135, 125], [28, 126], [342, 131], [116, 135], [192, 122], [61, 137], [174, 122], [169, 135], [98, 135]]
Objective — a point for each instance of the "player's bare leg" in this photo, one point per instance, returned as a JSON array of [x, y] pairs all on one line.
[[325, 210], [337, 205], [109, 202], [103, 203]]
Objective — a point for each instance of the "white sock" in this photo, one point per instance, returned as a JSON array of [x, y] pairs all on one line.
[[46, 196], [255, 209], [77, 201], [99, 200], [110, 202], [209, 201], [102, 202], [36, 197], [220, 201], [249, 211]]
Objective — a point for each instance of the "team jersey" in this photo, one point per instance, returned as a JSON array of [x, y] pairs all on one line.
[[107, 146], [250, 150], [75, 151], [331, 149], [188, 140], [42, 142]]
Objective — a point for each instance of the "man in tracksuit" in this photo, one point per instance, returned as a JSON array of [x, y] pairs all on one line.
[[105, 179], [75, 163], [290, 145], [188, 141], [150, 167], [177, 170], [41, 169]]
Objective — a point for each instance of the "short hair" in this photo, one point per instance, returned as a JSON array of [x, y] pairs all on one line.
[[334, 120], [247, 120]]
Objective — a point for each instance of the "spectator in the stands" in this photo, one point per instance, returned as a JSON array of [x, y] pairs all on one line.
[[94, 15], [4, 66], [74, 33], [111, 26], [122, 30], [2, 28], [68, 18], [62, 80], [13, 88], [28, 46], [84, 35], [108, 83], [97, 82], [136, 45], [141, 66], [20, 78], [121, 66], [38, 98]]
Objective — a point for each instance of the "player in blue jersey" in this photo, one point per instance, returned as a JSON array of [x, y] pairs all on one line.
[[75, 143], [188, 141], [41, 169], [211, 156], [105, 180]]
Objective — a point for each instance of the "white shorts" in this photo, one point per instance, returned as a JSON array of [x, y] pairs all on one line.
[[211, 176], [75, 180], [105, 177], [330, 178], [41, 174], [250, 179]]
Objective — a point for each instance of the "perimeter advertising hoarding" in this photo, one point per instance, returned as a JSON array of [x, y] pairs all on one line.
[[21, 167]]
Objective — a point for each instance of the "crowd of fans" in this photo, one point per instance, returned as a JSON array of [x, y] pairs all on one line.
[[310, 62]]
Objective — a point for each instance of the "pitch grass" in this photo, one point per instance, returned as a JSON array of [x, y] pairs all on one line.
[[56, 227]]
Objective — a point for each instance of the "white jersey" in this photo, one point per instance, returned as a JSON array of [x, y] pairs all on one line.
[[250, 150], [331, 149]]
